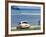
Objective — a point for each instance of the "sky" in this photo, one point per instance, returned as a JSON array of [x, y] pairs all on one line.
[[25, 7], [31, 14]]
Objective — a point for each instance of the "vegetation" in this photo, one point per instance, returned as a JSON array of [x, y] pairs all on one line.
[[27, 29]]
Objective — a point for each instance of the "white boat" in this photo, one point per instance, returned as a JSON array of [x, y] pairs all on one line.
[[23, 24]]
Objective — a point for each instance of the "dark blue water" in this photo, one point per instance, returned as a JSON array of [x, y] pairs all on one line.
[[32, 20]]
